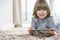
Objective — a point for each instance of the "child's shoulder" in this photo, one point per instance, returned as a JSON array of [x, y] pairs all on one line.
[[50, 18], [34, 19]]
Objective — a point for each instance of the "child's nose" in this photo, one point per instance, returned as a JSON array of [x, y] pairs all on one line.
[[41, 11]]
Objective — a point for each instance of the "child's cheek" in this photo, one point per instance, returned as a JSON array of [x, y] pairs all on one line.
[[41, 15]]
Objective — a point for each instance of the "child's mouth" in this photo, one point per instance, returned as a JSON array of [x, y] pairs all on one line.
[[42, 15]]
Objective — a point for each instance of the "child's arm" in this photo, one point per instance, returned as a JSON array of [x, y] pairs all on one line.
[[51, 26], [33, 27], [34, 23]]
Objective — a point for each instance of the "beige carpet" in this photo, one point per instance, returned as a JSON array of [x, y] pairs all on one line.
[[12, 36], [21, 33]]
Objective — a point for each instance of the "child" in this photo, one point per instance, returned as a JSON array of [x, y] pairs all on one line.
[[42, 22]]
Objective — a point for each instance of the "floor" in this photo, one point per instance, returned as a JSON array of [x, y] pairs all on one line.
[[21, 33]]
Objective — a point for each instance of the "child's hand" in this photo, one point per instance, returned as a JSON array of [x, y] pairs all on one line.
[[46, 31], [50, 31]]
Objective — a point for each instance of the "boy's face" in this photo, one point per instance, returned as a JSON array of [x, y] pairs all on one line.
[[42, 14]]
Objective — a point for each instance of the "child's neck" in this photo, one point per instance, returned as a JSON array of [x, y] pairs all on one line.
[[41, 18]]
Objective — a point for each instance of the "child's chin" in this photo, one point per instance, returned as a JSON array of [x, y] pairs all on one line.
[[42, 17]]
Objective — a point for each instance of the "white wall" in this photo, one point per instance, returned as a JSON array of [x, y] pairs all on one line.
[[56, 11], [6, 15], [30, 7]]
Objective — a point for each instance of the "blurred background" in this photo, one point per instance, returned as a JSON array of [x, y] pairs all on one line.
[[18, 13]]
